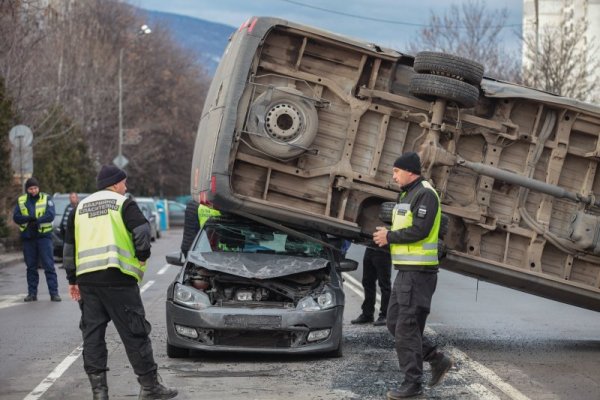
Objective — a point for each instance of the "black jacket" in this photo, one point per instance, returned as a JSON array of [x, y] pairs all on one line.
[[136, 223], [427, 202]]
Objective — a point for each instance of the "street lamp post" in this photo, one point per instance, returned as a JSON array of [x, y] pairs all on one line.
[[120, 161]]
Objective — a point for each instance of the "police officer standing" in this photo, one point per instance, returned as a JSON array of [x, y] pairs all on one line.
[[34, 214], [106, 247], [413, 240], [196, 216]]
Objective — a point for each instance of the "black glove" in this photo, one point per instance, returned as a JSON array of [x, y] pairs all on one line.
[[31, 218], [33, 224]]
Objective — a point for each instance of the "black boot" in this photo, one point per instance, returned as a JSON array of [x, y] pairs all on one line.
[[440, 365], [99, 386], [407, 389], [153, 389]]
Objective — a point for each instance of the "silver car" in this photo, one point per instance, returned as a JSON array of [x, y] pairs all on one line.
[[249, 287]]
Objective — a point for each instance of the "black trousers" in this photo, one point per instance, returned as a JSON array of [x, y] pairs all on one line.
[[377, 267], [122, 305], [409, 307]]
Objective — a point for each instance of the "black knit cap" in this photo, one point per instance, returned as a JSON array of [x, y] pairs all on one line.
[[108, 176], [409, 162], [31, 182]]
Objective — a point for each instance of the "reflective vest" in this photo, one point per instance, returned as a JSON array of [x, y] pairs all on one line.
[[425, 251], [40, 209], [204, 213], [101, 239]]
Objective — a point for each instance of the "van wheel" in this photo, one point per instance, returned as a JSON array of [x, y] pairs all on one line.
[[429, 62], [430, 87], [176, 352], [386, 211], [282, 123]]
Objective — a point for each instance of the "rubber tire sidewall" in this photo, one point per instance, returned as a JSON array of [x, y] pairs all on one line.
[[430, 62], [431, 87]]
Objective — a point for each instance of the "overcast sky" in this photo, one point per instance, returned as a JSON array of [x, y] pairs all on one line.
[[389, 23]]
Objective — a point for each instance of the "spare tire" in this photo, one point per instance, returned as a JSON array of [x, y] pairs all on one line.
[[430, 62], [430, 87], [282, 122]]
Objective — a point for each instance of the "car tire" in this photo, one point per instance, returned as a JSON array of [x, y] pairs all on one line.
[[158, 233], [430, 87], [176, 352], [282, 123], [430, 62]]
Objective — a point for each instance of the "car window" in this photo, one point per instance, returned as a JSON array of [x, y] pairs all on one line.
[[250, 237], [176, 206], [60, 204]]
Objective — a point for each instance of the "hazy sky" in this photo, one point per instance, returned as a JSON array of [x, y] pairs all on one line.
[[389, 23]]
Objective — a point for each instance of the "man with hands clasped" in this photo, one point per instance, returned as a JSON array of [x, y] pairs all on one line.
[[413, 241]]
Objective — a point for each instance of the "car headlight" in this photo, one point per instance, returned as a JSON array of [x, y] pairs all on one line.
[[322, 302], [187, 296]]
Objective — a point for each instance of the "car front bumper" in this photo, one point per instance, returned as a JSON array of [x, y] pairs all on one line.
[[265, 330]]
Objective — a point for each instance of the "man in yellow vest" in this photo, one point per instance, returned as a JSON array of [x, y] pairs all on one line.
[[413, 241], [34, 214], [196, 216], [107, 243]]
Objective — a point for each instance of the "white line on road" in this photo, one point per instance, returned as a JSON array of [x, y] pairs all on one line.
[[11, 300], [465, 360], [163, 269], [54, 375], [60, 369]]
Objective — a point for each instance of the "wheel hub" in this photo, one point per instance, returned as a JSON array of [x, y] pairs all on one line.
[[283, 122]]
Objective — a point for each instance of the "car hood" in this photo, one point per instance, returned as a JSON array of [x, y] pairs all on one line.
[[256, 265]]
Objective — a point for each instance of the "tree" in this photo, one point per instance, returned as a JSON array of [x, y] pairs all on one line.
[[561, 60], [474, 32], [61, 65], [9, 190], [61, 163]]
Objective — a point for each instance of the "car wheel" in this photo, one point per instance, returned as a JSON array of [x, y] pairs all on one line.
[[430, 87], [176, 352], [157, 233], [430, 62], [282, 122]]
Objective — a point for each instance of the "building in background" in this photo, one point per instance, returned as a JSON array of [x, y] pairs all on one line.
[[538, 15]]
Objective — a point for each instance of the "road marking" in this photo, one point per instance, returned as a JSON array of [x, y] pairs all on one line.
[[60, 369], [146, 286], [11, 300], [54, 375], [163, 269], [487, 374]]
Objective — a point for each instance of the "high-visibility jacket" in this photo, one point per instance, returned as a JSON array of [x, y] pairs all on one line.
[[423, 252], [205, 212], [101, 239], [40, 209]]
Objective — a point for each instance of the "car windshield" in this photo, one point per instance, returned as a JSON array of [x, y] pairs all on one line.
[[245, 236], [60, 204]]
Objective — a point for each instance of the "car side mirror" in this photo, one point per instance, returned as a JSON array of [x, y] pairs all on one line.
[[347, 265], [175, 258]]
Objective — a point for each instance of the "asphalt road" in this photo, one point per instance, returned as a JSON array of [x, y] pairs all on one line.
[[508, 345]]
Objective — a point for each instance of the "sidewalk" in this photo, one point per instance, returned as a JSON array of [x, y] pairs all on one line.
[[9, 259]]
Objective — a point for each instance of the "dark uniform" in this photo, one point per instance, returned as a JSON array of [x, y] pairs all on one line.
[[107, 242], [34, 215], [377, 267], [413, 240]]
